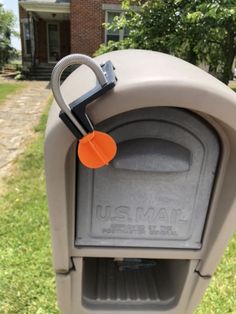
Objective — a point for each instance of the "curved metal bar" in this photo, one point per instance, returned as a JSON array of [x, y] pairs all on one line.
[[56, 77]]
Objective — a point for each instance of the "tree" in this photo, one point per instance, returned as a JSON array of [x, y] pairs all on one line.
[[218, 45], [7, 23], [195, 30]]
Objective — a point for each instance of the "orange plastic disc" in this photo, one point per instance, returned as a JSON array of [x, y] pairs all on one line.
[[96, 149]]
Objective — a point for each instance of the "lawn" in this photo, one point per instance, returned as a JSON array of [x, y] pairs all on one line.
[[232, 84], [7, 89], [27, 282], [220, 297], [26, 276]]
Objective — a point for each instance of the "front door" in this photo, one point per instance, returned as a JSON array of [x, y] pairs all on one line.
[[53, 42]]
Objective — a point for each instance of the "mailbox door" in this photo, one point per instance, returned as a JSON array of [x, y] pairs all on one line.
[[157, 190]]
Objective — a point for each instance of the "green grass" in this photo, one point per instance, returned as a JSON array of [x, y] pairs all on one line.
[[220, 297], [26, 275], [27, 284], [9, 88]]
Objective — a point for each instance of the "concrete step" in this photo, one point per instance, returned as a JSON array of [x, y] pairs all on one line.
[[44, 72]]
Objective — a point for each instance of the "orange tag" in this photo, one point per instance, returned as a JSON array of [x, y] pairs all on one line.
[[96, 149]]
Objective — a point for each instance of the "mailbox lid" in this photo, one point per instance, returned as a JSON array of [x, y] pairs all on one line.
[[156, 192]]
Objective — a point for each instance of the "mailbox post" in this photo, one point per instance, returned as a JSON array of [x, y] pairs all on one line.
[[146, 232]]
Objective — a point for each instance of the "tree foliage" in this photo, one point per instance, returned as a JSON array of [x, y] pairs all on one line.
[[195, 30], [7, 23]]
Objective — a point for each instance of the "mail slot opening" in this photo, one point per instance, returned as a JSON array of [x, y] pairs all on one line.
[[132, 283]]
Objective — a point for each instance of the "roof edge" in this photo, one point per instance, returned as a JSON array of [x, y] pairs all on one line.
[[42, 6]]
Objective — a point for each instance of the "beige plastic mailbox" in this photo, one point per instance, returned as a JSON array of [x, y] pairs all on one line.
[[145, 233]]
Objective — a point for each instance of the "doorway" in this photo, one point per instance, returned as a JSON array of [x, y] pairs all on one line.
[[53, 31]]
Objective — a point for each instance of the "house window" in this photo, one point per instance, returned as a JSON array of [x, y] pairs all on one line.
[[117, 34], [27, 38]]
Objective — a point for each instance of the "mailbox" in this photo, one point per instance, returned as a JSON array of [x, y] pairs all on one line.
[[145, 232]]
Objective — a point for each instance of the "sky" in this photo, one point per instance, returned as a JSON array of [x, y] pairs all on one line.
[[13, 6]]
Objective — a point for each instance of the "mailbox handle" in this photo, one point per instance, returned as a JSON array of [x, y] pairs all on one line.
[[56, 77]]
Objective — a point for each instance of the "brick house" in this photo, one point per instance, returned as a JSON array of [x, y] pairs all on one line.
[[51, 29]]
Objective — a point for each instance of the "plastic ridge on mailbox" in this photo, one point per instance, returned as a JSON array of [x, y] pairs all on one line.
[[146, 232]]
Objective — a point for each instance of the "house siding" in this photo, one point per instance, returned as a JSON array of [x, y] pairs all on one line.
[[23, 15], [41, 39], [87, 32], [83, 33], [65, 38]]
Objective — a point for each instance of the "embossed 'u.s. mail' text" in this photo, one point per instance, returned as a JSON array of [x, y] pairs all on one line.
[[139, 221]]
